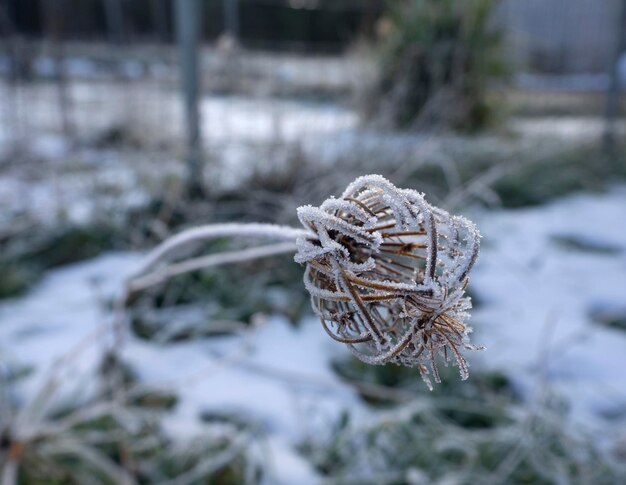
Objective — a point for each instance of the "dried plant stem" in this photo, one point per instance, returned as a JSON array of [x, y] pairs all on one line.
[[209, 261], [215, 231], [147, 275]]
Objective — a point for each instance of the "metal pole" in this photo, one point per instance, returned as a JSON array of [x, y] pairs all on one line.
[[54, 25], [159, 19], [613, 92], [187, 15], [114, 19], [231, 18]]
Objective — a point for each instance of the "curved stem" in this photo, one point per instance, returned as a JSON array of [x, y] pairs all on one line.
[[209, 261], [215, 231]]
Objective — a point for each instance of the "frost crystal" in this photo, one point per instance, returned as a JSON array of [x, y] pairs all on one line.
[[387, 274]]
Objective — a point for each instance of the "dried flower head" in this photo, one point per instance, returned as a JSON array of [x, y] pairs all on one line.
[[387, 274]]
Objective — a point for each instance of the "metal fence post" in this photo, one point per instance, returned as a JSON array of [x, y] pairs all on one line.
[[231, 18], [114, 19], [187, 32], [613, 91]]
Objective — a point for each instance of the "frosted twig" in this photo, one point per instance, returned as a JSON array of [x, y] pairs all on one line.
[[215, 231], [209, 261]]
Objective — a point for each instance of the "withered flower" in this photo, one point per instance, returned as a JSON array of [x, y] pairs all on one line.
[[386, 271], [387, 274]]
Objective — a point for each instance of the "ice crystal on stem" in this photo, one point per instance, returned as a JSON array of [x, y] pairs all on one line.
[[387, 274]]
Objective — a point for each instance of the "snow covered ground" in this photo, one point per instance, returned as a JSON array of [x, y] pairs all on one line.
[[540, 274], [155, 112], [276, 376]]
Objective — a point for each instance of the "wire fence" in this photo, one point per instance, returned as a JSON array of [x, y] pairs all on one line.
[[124, 85]]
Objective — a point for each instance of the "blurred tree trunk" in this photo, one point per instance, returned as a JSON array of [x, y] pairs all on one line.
[[187, 32]]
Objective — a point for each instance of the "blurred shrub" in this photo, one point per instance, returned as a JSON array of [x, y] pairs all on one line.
[[437, 61], [538, 181]]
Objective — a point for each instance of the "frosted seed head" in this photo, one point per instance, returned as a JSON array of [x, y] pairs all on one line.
[[387, 274]]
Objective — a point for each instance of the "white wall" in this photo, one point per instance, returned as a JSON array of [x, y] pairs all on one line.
[[561, 35]]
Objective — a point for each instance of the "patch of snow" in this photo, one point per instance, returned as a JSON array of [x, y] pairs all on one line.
[[288, 467], [248, 119], [49, 147], [79, 67], [572, 129], [62, 313], [51, 189], [280, 378], [132, 69], [535, 318]]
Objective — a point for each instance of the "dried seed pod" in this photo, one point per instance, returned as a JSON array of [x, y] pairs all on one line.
[[387, 274]]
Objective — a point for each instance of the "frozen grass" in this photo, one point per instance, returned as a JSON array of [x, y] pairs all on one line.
[[117, 440], [537, 302], [469, 435]]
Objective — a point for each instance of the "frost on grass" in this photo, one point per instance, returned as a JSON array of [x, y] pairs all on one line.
[[387, 274], [479, 438], [386, 271]]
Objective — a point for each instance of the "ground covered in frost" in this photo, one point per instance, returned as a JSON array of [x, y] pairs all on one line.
[[546, 280]]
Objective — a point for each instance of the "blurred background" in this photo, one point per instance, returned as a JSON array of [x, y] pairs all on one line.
[[123, 122]]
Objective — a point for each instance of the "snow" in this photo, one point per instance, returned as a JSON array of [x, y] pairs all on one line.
[[538, 296], [573, 129], [278, 377], [61, 316], [157, 111], [77, 191], [267, 379]]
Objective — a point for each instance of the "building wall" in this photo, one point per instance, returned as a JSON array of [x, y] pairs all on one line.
[[562, 36]]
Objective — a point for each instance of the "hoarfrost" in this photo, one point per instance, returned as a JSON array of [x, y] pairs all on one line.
[[387, 274]]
